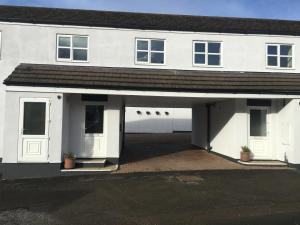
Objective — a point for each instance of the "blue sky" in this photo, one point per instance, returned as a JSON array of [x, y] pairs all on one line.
[[273, 9]]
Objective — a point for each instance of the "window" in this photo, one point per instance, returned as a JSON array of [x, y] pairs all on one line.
[[72, 48], [94, 119], [150, 51], [34, 118], [279, 55], [207, 53], [258, 122]]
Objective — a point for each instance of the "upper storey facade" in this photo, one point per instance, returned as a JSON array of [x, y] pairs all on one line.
[[111, 39]]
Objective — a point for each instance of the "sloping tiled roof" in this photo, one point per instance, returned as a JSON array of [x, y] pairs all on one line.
[[153, 79], [147, 21]]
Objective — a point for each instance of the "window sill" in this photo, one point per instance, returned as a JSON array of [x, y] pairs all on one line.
[[207, 66], [150, 64], [280, 68], [71, 61]]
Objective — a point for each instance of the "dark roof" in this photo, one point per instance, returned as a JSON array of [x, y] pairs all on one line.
[[153, 79], [147, 21]]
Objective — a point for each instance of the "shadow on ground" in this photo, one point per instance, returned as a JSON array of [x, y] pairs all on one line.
[[140, 147]]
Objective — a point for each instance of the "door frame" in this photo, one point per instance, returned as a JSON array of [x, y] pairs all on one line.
[[268, 155], [20, 130], [103, 135]]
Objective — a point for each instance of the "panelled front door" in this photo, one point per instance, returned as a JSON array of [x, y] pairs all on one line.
[[93, 134], [259, 132], [33, 130]]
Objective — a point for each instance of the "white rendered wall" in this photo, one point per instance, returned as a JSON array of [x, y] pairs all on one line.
[[11, 125], [286, 139], [229, 127], [25, 43], [157, 121]]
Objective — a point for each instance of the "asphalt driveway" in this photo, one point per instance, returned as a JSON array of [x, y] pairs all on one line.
[[208, 197]]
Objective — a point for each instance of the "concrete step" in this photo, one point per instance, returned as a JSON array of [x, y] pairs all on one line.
[[88, 171], [263, 163], [90, 163]]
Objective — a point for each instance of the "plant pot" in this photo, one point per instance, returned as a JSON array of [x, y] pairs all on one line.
[[69, 164], [245, 156]]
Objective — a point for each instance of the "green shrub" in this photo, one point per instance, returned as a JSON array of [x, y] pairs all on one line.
[[245, 149], [69, 156]]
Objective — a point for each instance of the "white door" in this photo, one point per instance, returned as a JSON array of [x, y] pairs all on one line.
[[33, 130], [93, 143], [259, 132]]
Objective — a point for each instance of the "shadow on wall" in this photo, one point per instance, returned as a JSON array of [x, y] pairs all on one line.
[[158, 125], [219, 118]]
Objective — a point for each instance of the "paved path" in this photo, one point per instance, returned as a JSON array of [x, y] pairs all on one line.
[[170, 152]]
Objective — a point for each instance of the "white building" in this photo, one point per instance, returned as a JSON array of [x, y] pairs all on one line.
[[69, 74]]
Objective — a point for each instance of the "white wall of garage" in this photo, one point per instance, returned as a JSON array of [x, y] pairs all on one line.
[[158, 120]]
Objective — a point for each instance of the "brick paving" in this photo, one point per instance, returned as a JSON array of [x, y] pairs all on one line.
[[170, 152]]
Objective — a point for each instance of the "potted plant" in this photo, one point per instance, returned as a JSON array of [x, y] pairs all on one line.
[[245, 154], [69, 161]]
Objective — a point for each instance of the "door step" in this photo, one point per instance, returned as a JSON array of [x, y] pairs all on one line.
[[263, 163], [90, 163], [88, 171]]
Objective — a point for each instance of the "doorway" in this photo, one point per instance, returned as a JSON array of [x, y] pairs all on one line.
[[93, 132], [33, 130], [258, 123]]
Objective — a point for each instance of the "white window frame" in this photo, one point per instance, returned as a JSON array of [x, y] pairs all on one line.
[[149, 51], [71, 36], [279, 56], [206, 53]]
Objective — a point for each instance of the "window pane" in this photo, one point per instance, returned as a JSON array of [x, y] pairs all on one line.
[[80, 54], [272, 50], [199, 59], [214, 47], [34, 118], [64, 53], [157, 58], [157, 45], [64, 41], [142, 45], [214, 60], [199, 47], [80, 42], [272, 61], [94, 119], [286, 50], [142, 56], [286, 62], [258, 122]]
